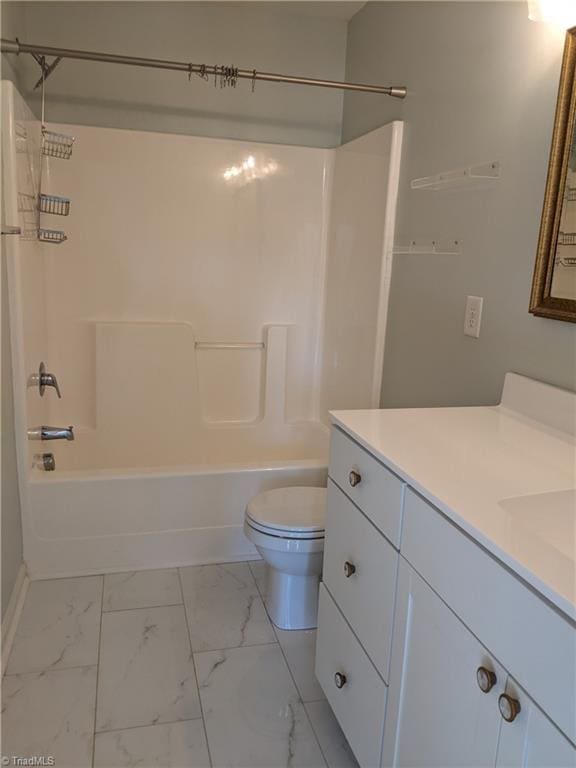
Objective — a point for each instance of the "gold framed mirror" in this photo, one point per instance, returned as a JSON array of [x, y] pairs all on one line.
[[554, 282]]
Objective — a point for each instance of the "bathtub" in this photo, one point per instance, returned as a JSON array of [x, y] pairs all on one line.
[[85, 521], [200, 327]]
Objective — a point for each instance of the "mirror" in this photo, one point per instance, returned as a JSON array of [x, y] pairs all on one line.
[[554, 283]]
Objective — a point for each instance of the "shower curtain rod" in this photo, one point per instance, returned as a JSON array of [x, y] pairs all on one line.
[[15, 46]]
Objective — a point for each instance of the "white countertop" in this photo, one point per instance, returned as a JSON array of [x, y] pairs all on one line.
[[504, 478]]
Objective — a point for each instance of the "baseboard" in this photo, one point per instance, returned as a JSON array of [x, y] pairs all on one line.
[[13, 612]]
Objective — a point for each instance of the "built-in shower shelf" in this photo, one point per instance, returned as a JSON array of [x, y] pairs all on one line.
[[59, 206], [469, 176], [229, 345], [430, 248], [57, 144], [51, 235]]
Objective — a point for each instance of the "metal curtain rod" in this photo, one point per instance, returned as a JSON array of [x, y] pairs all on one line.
[[15, 46]]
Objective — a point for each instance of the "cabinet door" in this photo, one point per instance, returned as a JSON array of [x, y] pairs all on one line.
[[437, 713], [531, 740]]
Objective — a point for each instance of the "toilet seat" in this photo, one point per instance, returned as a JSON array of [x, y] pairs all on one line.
[[289, 513], [283, 534]]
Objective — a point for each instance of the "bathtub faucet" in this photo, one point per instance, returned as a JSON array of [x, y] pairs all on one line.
[[51, 433]]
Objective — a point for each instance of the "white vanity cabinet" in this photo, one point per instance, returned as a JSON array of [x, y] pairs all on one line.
[[432, 652], [357, 597], [444, 709], [531, 740]]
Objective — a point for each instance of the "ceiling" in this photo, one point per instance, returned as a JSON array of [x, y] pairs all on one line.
[[327, 9], [330, 9]]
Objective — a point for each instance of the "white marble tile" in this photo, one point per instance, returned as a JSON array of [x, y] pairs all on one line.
[[146, 672], [223, 607], [50, 714], [59, 626], [332, 741], [253, 715], [259, 571], [141, 589], [299, 647], [173, 745]]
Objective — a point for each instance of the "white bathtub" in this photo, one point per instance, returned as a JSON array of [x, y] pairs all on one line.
[[102, 520], [199, 327]]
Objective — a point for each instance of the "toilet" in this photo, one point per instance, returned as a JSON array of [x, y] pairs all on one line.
[[286, 526]]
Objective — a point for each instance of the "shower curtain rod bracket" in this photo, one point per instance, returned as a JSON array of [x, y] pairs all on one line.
[[47, 69], [16, 47]]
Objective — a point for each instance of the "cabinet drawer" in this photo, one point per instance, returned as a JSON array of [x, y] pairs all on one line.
[[378, 491], [359, 704], [360, 570], [532, 641]]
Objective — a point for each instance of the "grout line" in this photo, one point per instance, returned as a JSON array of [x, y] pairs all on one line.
[[302, 702], [48, 670], [149, 725], [314, 731], [97, 675], [142, 607], [194, 668], [235, 647]]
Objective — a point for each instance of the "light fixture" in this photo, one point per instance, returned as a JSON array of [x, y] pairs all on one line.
[[561, 13]]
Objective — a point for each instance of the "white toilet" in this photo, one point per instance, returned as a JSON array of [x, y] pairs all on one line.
[[286, 526]]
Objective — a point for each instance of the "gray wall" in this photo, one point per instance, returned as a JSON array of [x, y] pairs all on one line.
[[11, 528], [246, 35], [10, 502], [11, 26], [483, 82]]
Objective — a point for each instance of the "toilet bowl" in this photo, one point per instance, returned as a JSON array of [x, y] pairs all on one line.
[[286, 526]]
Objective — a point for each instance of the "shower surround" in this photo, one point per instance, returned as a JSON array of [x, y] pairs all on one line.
[[214, 298]]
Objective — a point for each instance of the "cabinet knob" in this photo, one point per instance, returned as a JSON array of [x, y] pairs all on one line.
[[339, 680], [509, 707], [486, 679], [349, 569], [354, 478]]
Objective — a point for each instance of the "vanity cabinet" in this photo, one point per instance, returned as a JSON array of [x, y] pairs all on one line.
[[531, 740], [444, 708], [430, 651]]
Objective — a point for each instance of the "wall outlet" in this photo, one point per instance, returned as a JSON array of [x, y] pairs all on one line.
[[473, 316]]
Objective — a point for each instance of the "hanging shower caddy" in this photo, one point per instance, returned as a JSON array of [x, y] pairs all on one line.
[[58, 206], [58, 145], [51, 235]]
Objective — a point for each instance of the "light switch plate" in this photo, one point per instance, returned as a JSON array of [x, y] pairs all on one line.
[[473, 316]]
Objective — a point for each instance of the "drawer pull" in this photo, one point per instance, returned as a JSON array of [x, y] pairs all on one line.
[[486, 679], [354, 478], [339, 680], [349, 569], [509, 707]]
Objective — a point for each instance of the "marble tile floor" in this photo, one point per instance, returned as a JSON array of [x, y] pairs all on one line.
[[175, 668]]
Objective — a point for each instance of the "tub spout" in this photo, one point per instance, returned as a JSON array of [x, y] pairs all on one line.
[[51, 433]]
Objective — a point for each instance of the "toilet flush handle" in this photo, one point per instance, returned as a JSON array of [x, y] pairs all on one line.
[[339, 680], [349, 569], [354, 478]]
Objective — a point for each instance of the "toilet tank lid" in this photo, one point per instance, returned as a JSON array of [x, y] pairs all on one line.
[[290, 509]]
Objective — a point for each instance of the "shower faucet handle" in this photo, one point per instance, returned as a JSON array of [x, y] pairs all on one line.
[[42, 379], [47, 380], [51, 433]]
